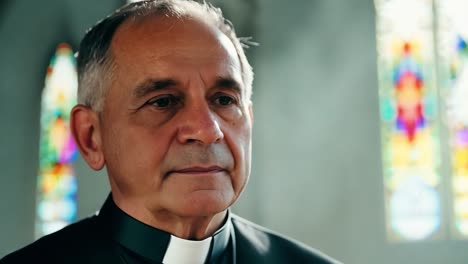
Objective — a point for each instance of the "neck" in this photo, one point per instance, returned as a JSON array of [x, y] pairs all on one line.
[[185, 227]]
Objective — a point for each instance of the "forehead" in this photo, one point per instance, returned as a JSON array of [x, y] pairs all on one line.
[[172, 40]]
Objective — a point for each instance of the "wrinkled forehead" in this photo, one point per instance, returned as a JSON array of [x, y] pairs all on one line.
[[155, 36]]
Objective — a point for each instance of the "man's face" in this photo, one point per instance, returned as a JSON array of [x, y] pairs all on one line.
[[176, 124]]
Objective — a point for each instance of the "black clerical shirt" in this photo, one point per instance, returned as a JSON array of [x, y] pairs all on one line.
[[141, 243], [112, 236]]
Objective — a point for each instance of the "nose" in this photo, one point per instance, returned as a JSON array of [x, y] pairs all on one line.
[[199, 124]]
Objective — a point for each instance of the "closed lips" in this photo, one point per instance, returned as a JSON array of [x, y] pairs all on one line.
[[211, 169]]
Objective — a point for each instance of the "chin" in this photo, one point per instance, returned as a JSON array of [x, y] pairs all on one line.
[[204, 203]]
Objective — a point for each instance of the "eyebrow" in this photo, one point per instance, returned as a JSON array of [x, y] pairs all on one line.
[[228, 83], [153, 85]]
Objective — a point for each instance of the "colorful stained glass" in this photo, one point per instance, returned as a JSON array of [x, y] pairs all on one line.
[[57, 187], [453, 52], [410, 140]]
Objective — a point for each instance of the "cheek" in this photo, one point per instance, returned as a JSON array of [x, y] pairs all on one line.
[[147, 147], [135, 152], [238, 136]]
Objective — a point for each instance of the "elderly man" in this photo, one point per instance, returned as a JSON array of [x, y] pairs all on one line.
[[164, 105]]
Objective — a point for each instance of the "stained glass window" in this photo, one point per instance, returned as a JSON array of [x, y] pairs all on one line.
[[423, 88], [453, 51], [57, 187], [408, 99]]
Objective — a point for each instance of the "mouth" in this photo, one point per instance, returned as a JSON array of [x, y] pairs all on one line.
[[200, 170]]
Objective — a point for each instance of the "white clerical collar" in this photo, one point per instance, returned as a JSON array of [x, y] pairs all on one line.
[[183, 251], [187, 251]]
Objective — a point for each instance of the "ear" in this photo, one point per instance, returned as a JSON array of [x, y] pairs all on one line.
[[84, 125]]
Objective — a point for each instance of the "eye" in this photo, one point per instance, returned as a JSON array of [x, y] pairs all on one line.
[[163, 101], [224, 100]]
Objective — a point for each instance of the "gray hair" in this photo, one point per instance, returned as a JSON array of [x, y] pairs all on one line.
[[95, 62]]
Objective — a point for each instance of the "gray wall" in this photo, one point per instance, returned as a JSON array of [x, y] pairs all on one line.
[[29, 33], [316, 165]]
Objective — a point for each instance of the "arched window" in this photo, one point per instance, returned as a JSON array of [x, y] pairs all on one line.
[[57, 187], [422, 59]]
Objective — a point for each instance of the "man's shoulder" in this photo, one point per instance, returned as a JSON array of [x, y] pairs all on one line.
[[258, 243], [66, 243]]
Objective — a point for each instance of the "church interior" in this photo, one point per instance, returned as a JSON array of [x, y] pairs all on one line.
[[360, 139]]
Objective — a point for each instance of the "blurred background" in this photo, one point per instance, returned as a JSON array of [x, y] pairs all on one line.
[[360, 134]]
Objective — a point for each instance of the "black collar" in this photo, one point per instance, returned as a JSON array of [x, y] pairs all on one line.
[[151, 242]]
